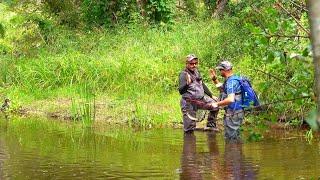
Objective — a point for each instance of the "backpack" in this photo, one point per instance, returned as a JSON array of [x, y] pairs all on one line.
[[248, 94]]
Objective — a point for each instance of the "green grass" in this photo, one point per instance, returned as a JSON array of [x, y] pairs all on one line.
[[83, 106], [134, 69]]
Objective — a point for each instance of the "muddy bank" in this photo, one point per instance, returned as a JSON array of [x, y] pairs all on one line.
[[122, 113], [105, 111], [61, 109]]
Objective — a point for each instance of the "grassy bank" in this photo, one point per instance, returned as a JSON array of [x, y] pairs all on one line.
[[131, 71]]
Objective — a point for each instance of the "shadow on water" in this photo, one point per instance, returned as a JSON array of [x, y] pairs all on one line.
[[212, 165]]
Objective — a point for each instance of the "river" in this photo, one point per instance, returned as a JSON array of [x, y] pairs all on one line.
[[46, 149]]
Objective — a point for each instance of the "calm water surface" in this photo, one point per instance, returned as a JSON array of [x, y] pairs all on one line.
[[40, 149]]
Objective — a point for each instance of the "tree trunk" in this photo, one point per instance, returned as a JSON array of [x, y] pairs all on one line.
[[142, 5], [191, 7], [314, 20], [221, 4]]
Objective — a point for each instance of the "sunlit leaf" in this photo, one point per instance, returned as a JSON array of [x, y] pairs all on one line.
[[312, 120]]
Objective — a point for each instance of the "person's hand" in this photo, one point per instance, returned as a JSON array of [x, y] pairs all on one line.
[[214, 105], [188, 78], [213, 74]]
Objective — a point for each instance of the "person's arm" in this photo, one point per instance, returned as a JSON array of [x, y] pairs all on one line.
[[230, 99], [184, 82], [214, 78], [231, 88]]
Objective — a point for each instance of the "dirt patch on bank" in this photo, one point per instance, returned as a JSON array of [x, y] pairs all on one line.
[[61, 109], [106, 111]]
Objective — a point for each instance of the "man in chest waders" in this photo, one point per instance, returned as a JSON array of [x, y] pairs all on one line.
[[231, 100], [195, 95]]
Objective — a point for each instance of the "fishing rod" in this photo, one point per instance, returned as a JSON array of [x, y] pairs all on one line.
[[246, 110], [278, 101], [250, 109], [262, 107]]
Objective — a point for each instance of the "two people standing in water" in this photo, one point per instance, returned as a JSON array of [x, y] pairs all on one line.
[[196, 95]]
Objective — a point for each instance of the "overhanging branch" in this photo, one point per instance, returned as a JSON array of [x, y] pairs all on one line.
[[275, 77], [296, 20], [286, 36], [303, 7]]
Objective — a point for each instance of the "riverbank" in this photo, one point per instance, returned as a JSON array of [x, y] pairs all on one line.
[[125, 113], [128, 74], [142, 112]]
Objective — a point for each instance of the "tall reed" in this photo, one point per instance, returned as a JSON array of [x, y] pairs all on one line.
[[83, 106]]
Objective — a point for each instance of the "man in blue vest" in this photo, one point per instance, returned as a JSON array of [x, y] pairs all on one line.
[[195, 95], [232, 101]]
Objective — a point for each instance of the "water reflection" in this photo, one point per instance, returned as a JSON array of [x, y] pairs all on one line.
[[211, 165], [236, 165], [189, 167], [2, 150], [36, 149], [2, 157]]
